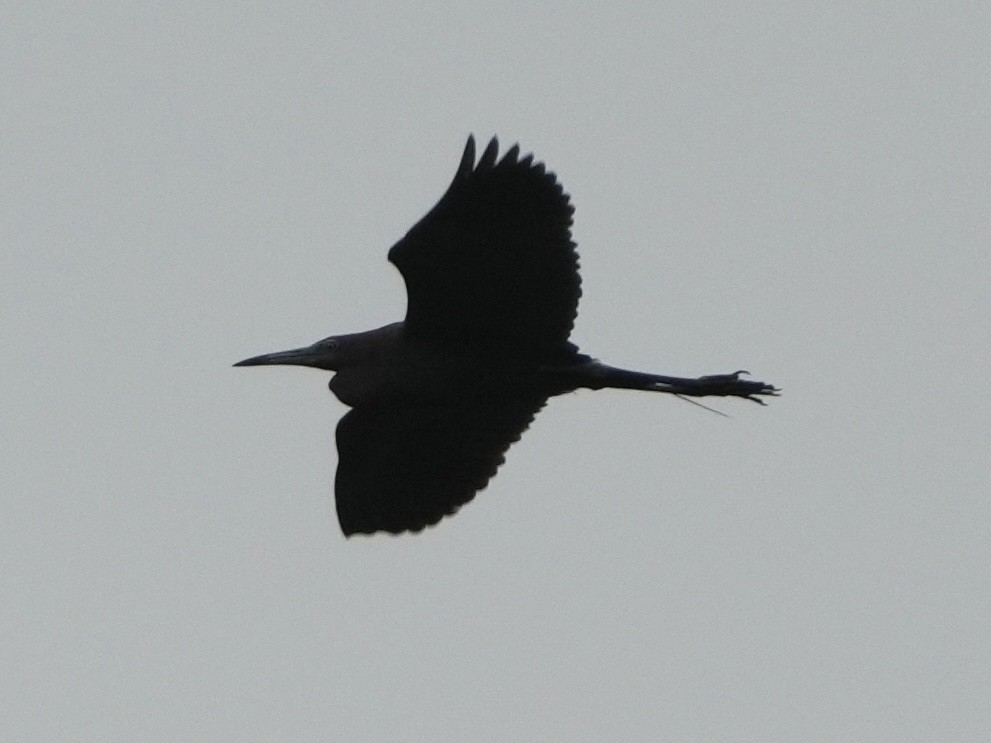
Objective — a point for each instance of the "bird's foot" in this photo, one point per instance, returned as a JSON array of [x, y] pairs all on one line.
[[729, 385]]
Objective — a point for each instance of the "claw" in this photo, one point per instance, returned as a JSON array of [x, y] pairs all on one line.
[[730, 385]]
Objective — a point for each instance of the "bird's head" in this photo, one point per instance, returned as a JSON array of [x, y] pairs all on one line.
[[325, 354]]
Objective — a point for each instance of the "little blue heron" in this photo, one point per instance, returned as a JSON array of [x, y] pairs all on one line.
[[492, 281]]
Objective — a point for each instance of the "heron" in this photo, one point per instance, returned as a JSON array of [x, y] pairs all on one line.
[[492, 282]]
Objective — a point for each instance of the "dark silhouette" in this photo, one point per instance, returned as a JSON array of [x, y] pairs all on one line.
[[492, 281]]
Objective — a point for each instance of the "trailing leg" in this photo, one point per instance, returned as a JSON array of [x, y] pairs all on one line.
[[595, 375]]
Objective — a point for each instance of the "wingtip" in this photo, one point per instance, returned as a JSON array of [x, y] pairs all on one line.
[[488, 158], [485, 162], [512, 155], [467, 157]]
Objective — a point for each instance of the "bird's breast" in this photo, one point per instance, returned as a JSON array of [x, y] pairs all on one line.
[[359, 386]]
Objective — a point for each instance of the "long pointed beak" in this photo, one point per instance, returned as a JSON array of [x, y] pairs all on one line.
[[296, 357]]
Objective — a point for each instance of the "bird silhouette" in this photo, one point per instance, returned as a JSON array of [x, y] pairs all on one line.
[[492, 281]]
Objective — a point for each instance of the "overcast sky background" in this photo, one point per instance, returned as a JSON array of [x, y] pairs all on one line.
[[798, 190]]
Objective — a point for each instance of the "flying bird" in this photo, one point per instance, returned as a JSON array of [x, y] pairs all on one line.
[[492, 280]]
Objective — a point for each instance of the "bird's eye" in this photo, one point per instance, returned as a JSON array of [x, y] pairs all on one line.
[[331, 344]]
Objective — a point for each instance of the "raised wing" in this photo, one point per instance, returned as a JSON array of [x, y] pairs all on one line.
[[402, 469], [492, 265]]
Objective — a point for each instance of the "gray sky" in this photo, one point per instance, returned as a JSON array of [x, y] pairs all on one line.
[[802, 192]]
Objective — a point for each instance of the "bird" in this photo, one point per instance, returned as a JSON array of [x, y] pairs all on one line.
[[436, 400]]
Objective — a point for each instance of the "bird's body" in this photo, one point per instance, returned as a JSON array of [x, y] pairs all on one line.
[[492, 278]]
